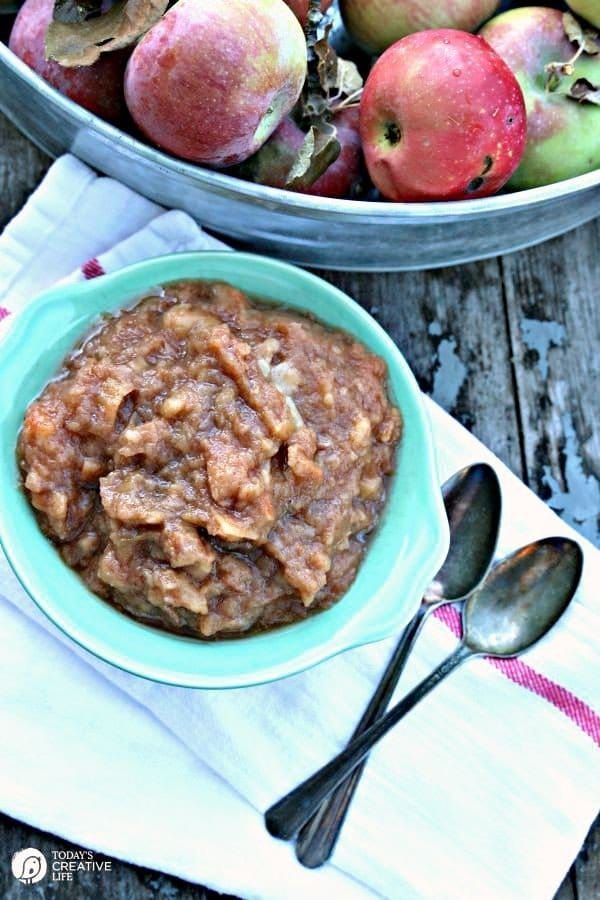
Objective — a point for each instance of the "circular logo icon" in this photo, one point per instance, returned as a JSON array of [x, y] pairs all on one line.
[[29, 866]]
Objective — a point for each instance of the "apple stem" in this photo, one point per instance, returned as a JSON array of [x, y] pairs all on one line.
[[349, 101], [557, 70]]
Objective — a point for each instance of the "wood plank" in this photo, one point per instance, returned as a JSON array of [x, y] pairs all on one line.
[[450, 325], [552, 295], [587, 866], [567, 890], [22, 166]]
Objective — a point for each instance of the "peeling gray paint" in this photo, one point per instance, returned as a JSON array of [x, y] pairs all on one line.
[[435, 329], [541, 336], [449, 375], [579, 503]]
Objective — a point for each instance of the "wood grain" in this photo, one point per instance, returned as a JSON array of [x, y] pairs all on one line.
[[21, 167], [509, 347], [552, 298]]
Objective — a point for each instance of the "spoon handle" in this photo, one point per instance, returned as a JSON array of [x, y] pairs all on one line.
[[318, 837], [285, 817]]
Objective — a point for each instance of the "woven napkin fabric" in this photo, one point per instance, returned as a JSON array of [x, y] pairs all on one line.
[[487, 789]]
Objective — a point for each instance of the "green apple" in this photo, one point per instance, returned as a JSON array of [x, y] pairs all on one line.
[[563, 135], [587, 9], [377, 24]]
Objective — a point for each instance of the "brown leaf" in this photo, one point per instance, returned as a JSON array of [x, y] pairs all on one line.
[[584, 91], [573, 28], [349, 78], [320, 149], [336, 75], [591, 43], [81, 43], [76, 10], [586, 38], [327, 65]]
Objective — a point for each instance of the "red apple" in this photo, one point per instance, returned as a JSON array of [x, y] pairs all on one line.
[[376, 24], [98, 88], [213, 79], [563, 135], [442, 117], [300, 8], [273, 161]]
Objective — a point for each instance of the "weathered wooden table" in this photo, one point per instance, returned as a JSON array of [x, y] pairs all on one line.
[[510, 347]]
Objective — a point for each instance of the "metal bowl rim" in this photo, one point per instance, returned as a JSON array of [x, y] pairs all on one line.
[[286, 201]]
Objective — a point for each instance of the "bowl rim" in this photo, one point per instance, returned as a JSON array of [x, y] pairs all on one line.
[[427, 548], [286, 201]]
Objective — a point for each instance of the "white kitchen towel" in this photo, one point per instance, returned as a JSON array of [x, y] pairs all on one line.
[[487, 789]]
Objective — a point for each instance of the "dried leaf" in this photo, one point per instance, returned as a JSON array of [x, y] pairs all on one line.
[[81, 43], [349, 78], [591, 43], [320, 149], [76, 10], [584, 91], [586, 38], [327, 62], [573, 28], [336, 75]]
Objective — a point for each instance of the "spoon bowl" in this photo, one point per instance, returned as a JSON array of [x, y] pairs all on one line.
[[473, 504], [522, 598]]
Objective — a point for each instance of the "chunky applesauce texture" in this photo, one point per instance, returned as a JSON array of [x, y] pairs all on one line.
[[210, 464]]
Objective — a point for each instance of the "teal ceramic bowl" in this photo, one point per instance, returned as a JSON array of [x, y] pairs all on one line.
[[406, 551]]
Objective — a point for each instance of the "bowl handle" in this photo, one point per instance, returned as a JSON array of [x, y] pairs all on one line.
[[377, 624]]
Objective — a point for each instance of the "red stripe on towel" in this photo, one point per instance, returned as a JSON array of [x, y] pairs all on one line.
[[520, 673], [92, 269], [4, 312]]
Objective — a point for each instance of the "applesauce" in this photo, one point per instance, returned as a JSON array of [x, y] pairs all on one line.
[[210, 464]]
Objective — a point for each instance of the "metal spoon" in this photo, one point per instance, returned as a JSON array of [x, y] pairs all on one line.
[[521, 599], [473, 504]]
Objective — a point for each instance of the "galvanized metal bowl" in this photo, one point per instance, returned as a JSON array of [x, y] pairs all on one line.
[[311, 231]]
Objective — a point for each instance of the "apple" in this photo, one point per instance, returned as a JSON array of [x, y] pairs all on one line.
[[213, 79], [273, 161], [442, 117], [377, 24], [563, 135], [300, 8], [98, 88], [587, 9]]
